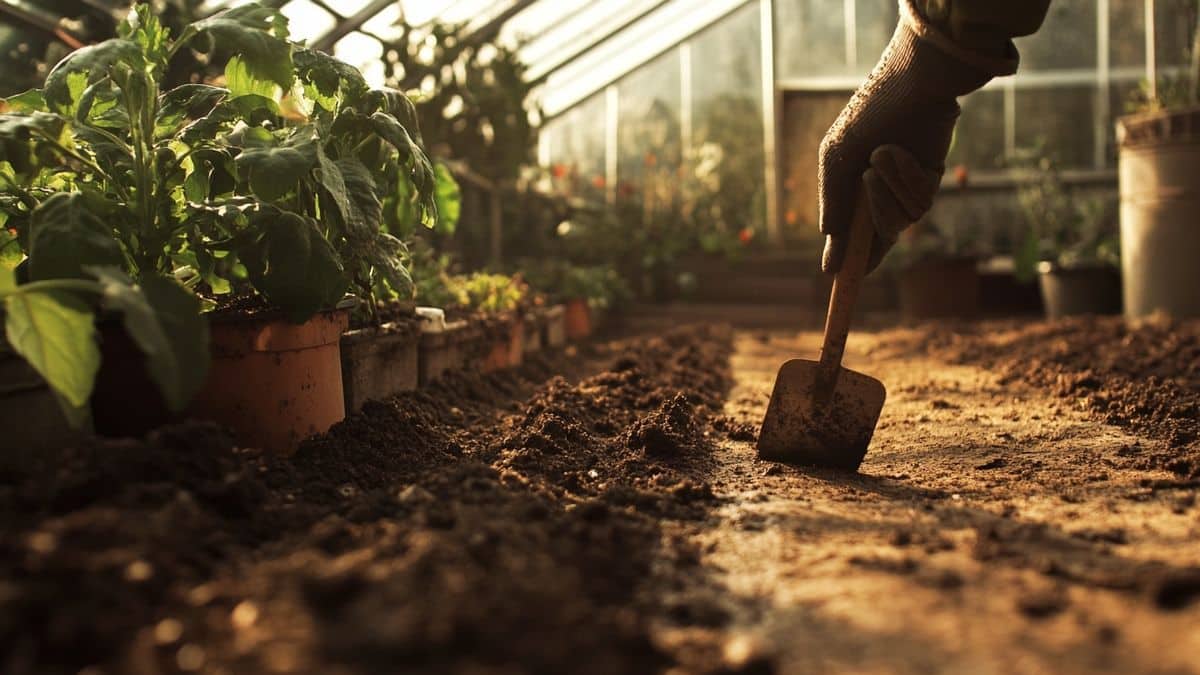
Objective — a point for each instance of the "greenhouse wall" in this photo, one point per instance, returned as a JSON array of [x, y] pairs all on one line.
[[705, 93]]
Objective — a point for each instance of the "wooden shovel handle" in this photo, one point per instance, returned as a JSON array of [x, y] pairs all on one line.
[[845, 292]]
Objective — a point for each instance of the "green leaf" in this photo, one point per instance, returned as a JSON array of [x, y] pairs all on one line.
[[10, 252], [412, 155], [332, 79], [24, 125], [27, 101], [164, 320], [448, 197], [256, 33], [274, 172], [70, 230], [65, 83], [242, 82], [8, 280], [55, 332], [189, 101], [294, 267]]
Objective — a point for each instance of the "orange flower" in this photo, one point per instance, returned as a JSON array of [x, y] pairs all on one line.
[[650, 159], [558, 170], [598, 182], [962, 175], [746, 235]]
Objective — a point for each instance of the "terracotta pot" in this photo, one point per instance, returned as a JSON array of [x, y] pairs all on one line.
[[516, 342], [578, 318], [379, 363], [940, 289], [498, 338], [275, 383], [125, 402]]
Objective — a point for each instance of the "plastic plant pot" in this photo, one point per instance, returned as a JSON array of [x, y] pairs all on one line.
[[577, 315], [554, 328], [34, 426], [125, 401], [379, 363], [498, 337], [444, 348], [275, 383], [1159, 175], [534, 330], [1076, 291], [940, 288]]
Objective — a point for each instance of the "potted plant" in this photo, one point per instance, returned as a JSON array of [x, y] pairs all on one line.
[[497, 301], [936, 269], [262, 196], [1159, 175], [1071, 246]]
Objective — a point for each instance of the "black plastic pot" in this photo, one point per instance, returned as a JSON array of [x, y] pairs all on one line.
[[125, 402], [1076, 291], [29, 414]]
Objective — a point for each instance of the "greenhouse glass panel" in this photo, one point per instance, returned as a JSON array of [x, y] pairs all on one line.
[[365, 53], [1058, 121], [729, 161], [577, 154], [1127, 30], [979, 136], [307, 21], [810, 37], [649, 138], [1175, 21], [876, 22], [1066, 41]]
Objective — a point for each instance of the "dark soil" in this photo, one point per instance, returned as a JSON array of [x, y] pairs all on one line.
[[1144, 377], [509, 523]]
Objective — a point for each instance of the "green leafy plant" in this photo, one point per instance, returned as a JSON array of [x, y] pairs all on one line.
[[272, 184], [491, 293], [600, 285], [1064, 228]]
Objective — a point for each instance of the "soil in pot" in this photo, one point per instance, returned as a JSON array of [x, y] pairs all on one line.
[[940, 288], [1080, 290], [272, 382], [577, 315]]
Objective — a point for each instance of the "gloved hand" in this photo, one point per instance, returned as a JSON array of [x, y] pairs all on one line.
[[895, 133]]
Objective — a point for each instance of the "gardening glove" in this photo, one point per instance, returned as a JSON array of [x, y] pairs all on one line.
[[896, 131]]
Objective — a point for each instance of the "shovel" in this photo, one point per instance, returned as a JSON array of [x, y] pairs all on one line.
[[822, 414]]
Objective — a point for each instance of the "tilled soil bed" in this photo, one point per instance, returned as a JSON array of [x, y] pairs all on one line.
[[481, 524]]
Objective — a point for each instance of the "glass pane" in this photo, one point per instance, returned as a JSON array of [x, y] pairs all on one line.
[[1067, 39], [811, 38], [806, 118], [365, 53], [1127, 33], [577, 154], [1119, 99], [979, 136], [1176, 21], [876, 21], [1058, 120], [306, 21], [649, 141], [728, 161]]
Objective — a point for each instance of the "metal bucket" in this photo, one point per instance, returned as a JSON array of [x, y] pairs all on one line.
[[1160, 213]]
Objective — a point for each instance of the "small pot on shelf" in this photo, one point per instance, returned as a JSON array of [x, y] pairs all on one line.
[[1075, 291], [577, 315], [275, 383]]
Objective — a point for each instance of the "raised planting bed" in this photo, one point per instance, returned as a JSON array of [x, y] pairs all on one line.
[[535, 331], [380, 362], [503, 342], [272, 382]]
